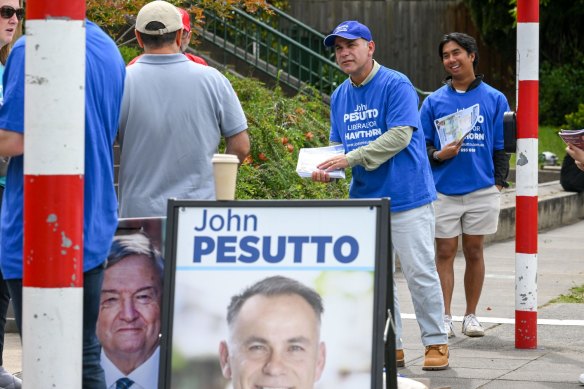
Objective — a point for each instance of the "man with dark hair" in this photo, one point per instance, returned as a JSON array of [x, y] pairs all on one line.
[[374, 114], [274, 336], [468, 173], [128, 325], [173, 116]]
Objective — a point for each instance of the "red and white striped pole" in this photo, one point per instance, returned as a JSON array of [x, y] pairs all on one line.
[[54, 154], [527, 166]]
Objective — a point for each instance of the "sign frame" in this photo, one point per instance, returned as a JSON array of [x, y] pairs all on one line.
[[383, 366]]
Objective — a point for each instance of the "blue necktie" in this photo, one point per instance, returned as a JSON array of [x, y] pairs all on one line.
[[124, 383]]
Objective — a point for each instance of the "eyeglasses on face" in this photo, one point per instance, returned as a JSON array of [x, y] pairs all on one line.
[[6, 12]]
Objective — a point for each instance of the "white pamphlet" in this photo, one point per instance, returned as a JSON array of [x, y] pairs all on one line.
[[310, 158], [456, 126]]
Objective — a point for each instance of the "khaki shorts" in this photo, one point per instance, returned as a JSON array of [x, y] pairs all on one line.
[[475, 213]]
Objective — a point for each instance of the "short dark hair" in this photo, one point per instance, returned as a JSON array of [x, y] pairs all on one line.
[[275, 286], [465, 41], [157, 41], [135, 244]]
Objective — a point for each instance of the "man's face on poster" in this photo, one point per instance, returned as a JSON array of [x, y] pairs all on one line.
[[274, 343], [129, 317]]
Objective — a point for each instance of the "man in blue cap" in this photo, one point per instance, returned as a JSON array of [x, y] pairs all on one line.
[[374, 114]]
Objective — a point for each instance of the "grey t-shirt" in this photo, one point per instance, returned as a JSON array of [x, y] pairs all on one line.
[[174, 113]]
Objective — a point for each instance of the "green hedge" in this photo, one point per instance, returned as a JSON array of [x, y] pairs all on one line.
[[560, 91], [279, 126]]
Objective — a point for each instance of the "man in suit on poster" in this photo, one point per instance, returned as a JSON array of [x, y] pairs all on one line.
[[128, 325]]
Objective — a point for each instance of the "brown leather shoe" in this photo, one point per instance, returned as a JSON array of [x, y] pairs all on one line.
[[436, 357], [400, 358]]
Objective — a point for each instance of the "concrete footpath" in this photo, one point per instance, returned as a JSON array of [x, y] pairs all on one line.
[[492, 361]]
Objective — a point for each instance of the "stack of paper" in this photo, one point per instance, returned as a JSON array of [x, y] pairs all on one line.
[[309, 159]]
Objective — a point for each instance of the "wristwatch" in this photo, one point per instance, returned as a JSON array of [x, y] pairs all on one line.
[[436, 157]]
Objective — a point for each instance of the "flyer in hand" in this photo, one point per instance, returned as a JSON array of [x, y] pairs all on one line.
[[456, 126], [575, 137], [309, 158]]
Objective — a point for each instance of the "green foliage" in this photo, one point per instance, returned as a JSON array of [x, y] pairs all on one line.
[[117, 17], [562, 41], [129, 52], [495, 22], [549, 140], [576, 296], [279, 126], [561, 48], [561, 91], [575, 120]]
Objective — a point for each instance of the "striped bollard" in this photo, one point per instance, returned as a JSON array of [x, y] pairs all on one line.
[[527, 167], [54, 152]]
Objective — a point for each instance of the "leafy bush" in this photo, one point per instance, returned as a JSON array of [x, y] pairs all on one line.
[[279, 127], [129, 52], [560, 91], [575, 120]]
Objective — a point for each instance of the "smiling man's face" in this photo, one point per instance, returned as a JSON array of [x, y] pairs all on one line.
[[457, 61], [274, 344], [128, 325]]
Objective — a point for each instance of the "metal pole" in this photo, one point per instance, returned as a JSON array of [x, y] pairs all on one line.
[[54, 153], [527, 166]]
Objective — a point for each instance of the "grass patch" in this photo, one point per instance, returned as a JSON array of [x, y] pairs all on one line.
[[576, 296]]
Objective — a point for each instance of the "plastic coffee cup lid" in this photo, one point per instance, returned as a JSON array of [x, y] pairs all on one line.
[[225, 158]]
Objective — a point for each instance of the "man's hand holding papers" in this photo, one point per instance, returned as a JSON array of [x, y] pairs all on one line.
[[317, 159]]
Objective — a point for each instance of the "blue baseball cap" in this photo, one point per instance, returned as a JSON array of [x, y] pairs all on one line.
[[351, 29]]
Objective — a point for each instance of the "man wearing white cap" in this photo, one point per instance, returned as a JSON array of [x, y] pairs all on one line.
[[186, 39], [174, 113], [374, 114]]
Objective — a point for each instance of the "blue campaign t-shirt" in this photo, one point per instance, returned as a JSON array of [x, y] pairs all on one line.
[[2, 178], [473, 168], [104, 84], [359, 115]]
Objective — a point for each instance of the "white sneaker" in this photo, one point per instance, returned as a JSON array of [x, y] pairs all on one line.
[[581, 378], [8, 381], [471, 326], [448, 326]]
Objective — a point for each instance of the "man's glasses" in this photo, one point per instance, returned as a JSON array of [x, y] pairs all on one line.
[[7, 12]]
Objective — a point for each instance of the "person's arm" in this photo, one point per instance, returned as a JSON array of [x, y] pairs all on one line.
[[11, 143], [501, 162], [381, 149], [370, 156], [238, 144]]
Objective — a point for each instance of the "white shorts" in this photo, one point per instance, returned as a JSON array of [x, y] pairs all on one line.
[[475, 213]]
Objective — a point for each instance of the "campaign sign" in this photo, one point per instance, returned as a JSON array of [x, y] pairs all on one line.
[[275, 294]]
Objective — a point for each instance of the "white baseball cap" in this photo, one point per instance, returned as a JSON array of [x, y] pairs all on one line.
[[162, 12]]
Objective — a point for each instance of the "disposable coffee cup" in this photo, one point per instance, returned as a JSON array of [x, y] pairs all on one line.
[[225, 173]]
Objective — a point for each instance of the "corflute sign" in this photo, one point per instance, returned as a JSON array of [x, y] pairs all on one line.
[[271, 238]]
